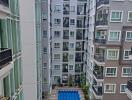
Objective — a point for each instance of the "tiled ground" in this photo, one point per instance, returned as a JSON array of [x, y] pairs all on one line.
[[53, 95]]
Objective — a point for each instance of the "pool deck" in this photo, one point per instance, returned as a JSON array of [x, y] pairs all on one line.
[[53, 95]]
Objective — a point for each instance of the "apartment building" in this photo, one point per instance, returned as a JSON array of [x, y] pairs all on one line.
[[46, 46], [110, 68], [30, 12], [10, 51], [68, 33], [89, 45]]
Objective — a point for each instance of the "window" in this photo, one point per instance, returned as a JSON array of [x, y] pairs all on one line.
[[129, 15], [126, 54], [44, 34], [70, 67], [56, 45], [56, 33], [45, 65], [116, 16], [56, 56], [123, 88], [56, 78], [114, 36], [71, 34], [57, 8], [112, 54], [110, 88], [56, 67], [57, 21], [72, 8], [112, 71], [129, 36], [44, 16], [71, 45], [127, 71], [71, 56], [72, 21], [45, 50]]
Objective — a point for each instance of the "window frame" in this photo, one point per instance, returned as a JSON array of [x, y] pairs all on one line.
[[58, 67], [56, 23], [124, 54], [71, 69], [111, 73], [57, 47], [116, 11], [126, 36], [121, 88], [113, 50], [128, 20], [125, 73], [110, 92], [57, 58], [119, 34], [56, 10]]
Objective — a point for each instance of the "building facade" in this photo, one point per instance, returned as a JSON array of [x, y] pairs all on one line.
[[30, 12], [110, 68], [68, 33], [46, 45], [10, 51]]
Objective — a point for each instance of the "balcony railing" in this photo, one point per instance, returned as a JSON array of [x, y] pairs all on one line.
[[5, 56], [98, 90], [99, 57], [103, 22], [129, 85], [98, 75], [5, 2], [102, 2], [100, 41]]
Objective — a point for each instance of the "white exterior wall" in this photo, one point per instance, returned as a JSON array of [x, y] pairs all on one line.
[[28, 34], [90, 46], [60, 15]]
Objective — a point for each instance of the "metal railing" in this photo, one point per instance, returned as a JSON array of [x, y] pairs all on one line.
[[98, 75], [5, 56], [100, 41], [98, 90], [99, 57], [129, 85], [103, 22], [100, 2]]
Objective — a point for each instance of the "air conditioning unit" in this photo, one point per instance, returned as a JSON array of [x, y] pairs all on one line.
[[106, 11], [103, 32]]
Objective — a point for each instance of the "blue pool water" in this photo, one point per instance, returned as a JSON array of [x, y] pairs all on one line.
[[68, 95]]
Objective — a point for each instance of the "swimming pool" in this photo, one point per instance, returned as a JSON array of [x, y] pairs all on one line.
[[68, 95]]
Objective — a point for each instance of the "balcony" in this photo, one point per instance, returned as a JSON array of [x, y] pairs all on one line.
[[102, 2], [98, 74], [97, 91], [5, 56], [100, 41], [65, 68], [102, 23], [66, 22], [99, 59], [129, 89], [4, 3]]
